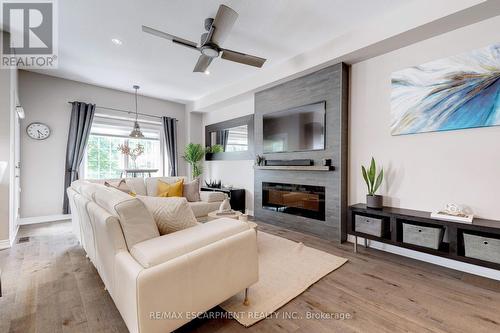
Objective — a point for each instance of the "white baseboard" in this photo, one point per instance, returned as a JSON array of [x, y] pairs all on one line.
[[453, 264], [4, 244], [44, 219], [14, 235]]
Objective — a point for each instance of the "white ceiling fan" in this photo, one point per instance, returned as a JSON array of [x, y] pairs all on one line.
[[217, 31]]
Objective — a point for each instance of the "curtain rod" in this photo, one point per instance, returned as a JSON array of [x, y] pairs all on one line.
[[126, 111]]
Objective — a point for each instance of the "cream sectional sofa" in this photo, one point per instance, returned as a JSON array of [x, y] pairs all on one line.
[[209, 202], [159, 282]]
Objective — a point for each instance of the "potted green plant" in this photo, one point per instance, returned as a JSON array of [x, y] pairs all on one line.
[[373, 182], [193, 154]]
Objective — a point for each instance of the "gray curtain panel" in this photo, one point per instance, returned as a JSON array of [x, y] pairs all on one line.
[[222, 137], [170, 132], [82, 115]]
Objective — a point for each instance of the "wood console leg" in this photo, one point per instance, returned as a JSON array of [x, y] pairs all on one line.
[[355, 244], [246, 302], [366, 243]]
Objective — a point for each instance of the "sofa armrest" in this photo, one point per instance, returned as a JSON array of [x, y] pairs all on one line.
[[207, 196], [196, 282], [161, 249]]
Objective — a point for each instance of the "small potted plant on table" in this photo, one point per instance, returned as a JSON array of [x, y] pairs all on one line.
[[373, 182]]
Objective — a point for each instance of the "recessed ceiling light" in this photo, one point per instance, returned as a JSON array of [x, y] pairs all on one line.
[[207, 72], [116, 41]]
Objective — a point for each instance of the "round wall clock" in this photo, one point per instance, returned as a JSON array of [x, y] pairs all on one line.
[[38, 131]]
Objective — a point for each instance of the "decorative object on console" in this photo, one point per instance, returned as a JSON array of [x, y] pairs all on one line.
[[452, 212], [214, 183], [132, 153], [447, 94], [193, 154], [225, 206], [259, 160], [373, 182]]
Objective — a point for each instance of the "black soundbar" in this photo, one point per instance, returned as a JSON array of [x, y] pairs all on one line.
[[289, 162]]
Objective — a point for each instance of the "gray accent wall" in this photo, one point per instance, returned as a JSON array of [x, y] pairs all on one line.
[[331, 85]]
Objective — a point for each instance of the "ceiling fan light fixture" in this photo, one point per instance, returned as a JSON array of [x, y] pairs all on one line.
[[209, 51], [136, 131]]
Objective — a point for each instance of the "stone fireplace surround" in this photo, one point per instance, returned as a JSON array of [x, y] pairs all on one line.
[[331, 85]]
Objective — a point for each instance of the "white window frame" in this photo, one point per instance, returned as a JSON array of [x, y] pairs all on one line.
[[150, 126]]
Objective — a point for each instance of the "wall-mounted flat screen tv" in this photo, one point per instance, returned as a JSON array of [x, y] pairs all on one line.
[[297, 129]]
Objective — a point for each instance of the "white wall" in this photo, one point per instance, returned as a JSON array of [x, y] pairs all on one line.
[[237, 173], [45, 99], [424, 171]]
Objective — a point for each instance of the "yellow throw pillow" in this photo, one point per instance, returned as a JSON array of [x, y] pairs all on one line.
[[170, 190]]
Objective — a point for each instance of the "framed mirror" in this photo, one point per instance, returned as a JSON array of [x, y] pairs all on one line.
[[230, 140]]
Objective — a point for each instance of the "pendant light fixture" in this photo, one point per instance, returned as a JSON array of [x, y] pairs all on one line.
[[136, 131]]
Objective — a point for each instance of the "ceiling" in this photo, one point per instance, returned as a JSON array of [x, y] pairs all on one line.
[[276, 30]]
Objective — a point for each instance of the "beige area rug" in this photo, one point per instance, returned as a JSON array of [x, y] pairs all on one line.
[[286, 270]]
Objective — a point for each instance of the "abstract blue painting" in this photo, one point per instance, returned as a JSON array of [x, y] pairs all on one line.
[[458, 92]]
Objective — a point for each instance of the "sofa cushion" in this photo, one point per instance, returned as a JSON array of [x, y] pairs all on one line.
[[152, 182], [170, 214], [208, 196], [161, 249], [201, 208], [137, 223], [137, 185], [191, 190], [166, 190]]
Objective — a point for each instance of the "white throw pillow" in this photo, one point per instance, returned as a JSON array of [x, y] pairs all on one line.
[[170, 214], [137, 223]]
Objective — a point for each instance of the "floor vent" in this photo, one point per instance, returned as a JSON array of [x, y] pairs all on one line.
[[23, 240]]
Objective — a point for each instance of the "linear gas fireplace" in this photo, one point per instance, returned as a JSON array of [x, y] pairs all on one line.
[[302, 200]]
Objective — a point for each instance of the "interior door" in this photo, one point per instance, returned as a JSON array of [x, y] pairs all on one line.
[[17, 172]]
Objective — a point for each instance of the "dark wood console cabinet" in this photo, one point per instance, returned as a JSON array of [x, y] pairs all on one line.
[[453, 249], [236, 197]]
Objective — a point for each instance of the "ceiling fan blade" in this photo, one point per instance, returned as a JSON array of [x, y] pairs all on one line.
[[243, 58], [174, 39], [202, 64], [223, 23]]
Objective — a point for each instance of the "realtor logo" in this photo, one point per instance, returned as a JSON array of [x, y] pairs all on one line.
[[31, 39]]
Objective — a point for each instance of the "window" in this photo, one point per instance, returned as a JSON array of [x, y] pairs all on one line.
[[237, 139], [103, 159]]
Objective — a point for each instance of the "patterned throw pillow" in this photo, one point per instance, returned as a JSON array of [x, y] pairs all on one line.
[[170, 214], [191, 190], [169, 190], [120, 186]]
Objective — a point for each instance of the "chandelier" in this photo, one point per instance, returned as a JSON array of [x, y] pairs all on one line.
[[136, 131]]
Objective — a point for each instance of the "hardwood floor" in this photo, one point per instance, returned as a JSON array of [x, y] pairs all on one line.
[[49, 286]]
